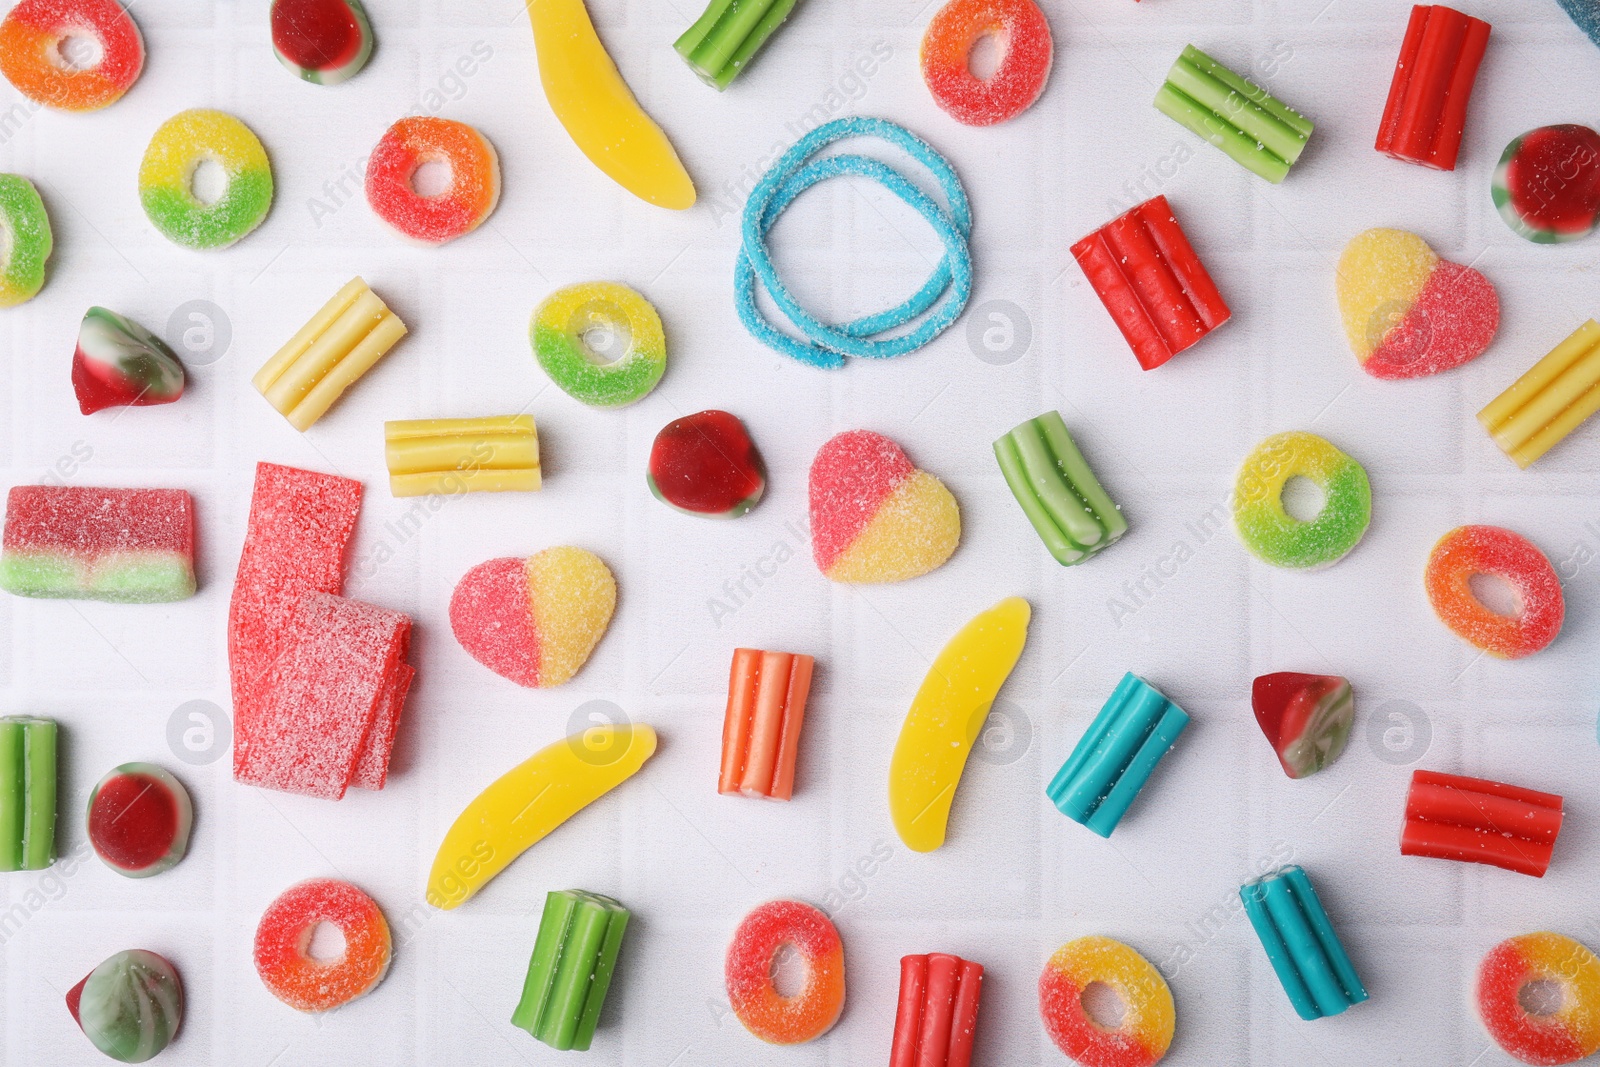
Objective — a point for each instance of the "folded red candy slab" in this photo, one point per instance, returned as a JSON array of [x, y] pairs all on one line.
[[344, 662], [1426, 113], [318, 681], [938, 1012], [1151, 281], [1474, 820]]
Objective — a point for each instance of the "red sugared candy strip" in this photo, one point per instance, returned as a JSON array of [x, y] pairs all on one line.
[[706, 464], [1150, 280], [1469, 550], [755, 1000], [761, 730], [283, 941], [938, 1012], [1306, 718], [1026, 51], [344, 663], [1426, 113], [139, 820], [1474, 820]]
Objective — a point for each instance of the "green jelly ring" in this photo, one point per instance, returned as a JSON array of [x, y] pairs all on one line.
[[1052, 482], [557, 332], [1278, 538], [166, 179], [27, 240]]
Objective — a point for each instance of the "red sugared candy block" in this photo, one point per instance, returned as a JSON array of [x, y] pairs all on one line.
[[139, 820], [706, 464], [78, 542], [1306, 718]]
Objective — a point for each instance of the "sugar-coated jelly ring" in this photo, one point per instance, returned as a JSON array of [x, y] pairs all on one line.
[[166, 179], [25, 227], [1026, 52], [755, 1000], [1279, 538], [1565, 1035], [1148, 1019], [32, 38], [1469, 550], [559, 326], [283, 945], [471, 196]]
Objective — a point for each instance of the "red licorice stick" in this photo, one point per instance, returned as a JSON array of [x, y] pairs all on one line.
[[1150, 280], [1478, 821], [1426, 113], [938, 1012], [761, 731]]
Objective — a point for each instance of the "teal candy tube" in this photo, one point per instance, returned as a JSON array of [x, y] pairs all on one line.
[[1301, 944], [1116, 755]]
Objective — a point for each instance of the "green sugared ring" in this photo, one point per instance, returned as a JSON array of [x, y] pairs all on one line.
[[1062, 498], [557, 333], [1278, 538], [166, 179], [28, 241]]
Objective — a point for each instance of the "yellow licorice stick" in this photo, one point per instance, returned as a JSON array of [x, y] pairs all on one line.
[[598, 110]]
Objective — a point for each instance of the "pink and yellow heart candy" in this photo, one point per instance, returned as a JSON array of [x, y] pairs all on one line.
[[874, 516], [1409, 313], [534, 620]]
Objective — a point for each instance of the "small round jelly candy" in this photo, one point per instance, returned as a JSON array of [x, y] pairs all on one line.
[[706, 464], [28, 240], [283, 945], [1026, 52], [323, 41], [166, 179], [75, 55], [139, 820], [130, 1006], [1547, 185]]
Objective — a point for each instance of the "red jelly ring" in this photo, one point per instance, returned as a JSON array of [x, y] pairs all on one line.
[[283, 945], [1469, 550], [754, 997], [1026, 53]]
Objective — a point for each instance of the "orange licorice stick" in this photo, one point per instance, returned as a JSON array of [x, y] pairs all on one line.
[[761, 732]]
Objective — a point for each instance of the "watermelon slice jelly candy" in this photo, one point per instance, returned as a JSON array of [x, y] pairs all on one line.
[[1306, 718], [318, 681], [120, 363], [133, 546]]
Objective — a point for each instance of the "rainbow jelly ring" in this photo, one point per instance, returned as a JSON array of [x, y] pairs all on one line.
[[1278, 538], [1148, 1016], [75, 55], [26, 229], [1568, 1033], [755, 1000], [474, 187], [166, 179], [1026, 52], [283, 945], [564, 324], [1469, 550]]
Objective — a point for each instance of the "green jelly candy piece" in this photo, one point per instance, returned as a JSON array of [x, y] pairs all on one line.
[[130, 1006], [728, 35], [1252, 126], [28, 241], [27, 793], [1058, 492], [573, 959]]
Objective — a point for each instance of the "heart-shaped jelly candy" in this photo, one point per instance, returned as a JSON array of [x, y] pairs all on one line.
[[534, 620], [875, 517], [1409, 313], [706, 464]]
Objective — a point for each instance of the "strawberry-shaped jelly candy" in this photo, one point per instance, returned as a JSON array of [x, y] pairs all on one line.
[[120, 363], [706, 464], [1306, 718]]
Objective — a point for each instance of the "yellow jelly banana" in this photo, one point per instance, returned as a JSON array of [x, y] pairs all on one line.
[[598, 110], [945, 718], [527, 802]]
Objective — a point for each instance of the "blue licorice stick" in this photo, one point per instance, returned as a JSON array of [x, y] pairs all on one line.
[[1311, 964], [1116, 755], [795, 171]]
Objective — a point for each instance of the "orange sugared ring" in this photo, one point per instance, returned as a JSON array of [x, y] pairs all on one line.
[[812, 1011], [39, 52], [1026, 52], [472, 193], [1490, 550], [283, 945], [1148, 1019], [1565, 1035]]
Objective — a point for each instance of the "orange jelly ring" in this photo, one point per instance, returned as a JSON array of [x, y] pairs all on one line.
[[753, 994]]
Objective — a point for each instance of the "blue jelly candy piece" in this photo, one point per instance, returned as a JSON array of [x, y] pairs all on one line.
[[1586, 13], [1115, 756], [1312, 965]]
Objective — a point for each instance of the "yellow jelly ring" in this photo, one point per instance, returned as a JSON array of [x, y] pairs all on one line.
[[166, 179], [1277, 537], [559, 334]]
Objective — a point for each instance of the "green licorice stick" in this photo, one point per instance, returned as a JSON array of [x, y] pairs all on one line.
[[1064, 551], [573, 959], [728, 35], [27, 793], [1080, 477], [1251, 125]]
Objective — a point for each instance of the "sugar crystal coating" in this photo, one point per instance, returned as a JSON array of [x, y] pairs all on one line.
[[1566, 1035], [471, 196], [534, 621], [1145, 1032], [27, 240], [1026, 51], [166, 179], [283, 939], [132, 546], [1276, 537], [567, 316], [810, 1012], [1469, 550], [875, 517], [31, 39]]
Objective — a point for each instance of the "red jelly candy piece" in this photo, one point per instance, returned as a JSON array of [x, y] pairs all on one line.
[[1306, 718], [317, 36], [1547, 186], [139, 820], [706, 464], [1426, 112]]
